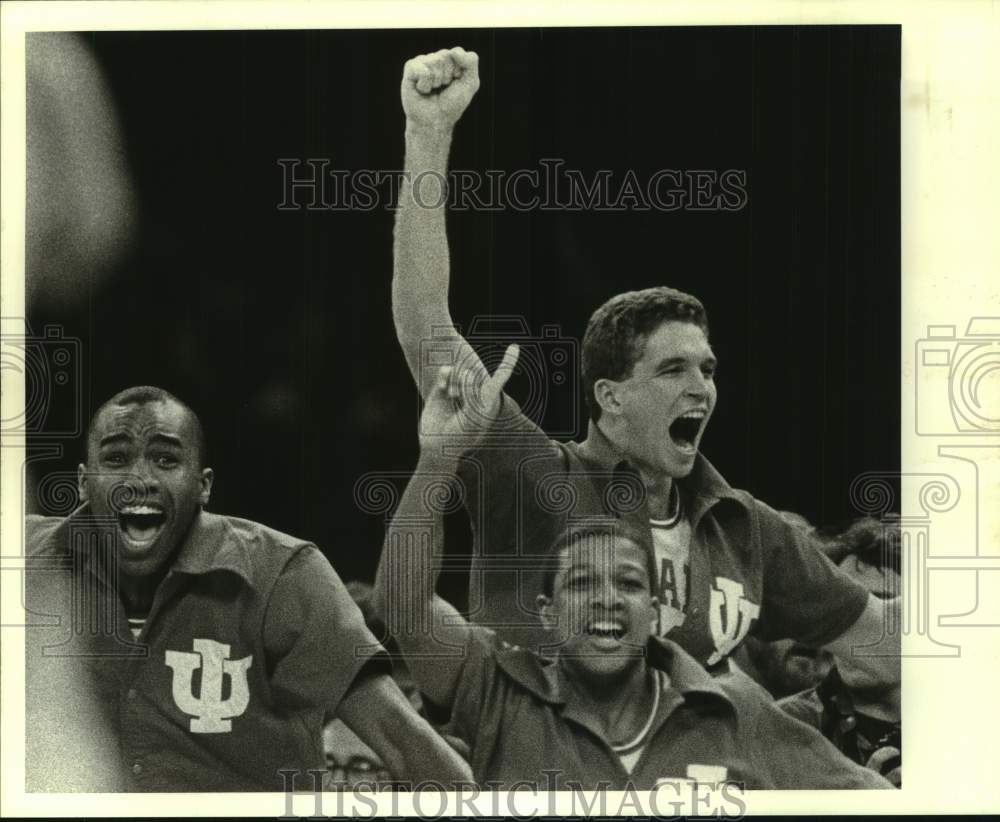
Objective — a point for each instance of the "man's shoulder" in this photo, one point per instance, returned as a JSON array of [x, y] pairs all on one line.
[[748, 696], [525, 668], [251, 532], [255, 551]]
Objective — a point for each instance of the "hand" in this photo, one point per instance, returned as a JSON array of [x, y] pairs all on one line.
[[438, 87], [887, 762], [463, 403]]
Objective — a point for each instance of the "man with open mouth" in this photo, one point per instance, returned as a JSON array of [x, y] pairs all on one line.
[[193, 651], [726, 563], [612, 706]]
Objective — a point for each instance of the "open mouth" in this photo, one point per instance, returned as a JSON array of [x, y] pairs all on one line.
[[685, 429], [141, 523], [606, 629]]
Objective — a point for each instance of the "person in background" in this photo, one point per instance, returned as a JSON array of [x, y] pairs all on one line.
[[848, 706], [350, 762]]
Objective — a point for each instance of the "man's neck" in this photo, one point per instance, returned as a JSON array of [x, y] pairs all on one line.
[[138, 593], [621, 704], [659, 484]]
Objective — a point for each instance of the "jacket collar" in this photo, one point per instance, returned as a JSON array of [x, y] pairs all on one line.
[[703, 487], [211, 545], [546, 680]]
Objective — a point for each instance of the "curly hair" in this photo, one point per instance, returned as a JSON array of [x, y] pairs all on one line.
[[617, 330], [873, 542]]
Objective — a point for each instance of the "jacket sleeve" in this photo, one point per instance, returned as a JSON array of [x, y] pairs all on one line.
[[798, 757], [806, 597]]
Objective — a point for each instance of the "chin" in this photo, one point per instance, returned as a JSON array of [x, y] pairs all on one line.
[[685, 469], [141, 566], [605, 668], [677, 468], [136, 568]]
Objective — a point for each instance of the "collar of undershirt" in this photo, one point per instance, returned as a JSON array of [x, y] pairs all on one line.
[[677, 507], [659, 683]]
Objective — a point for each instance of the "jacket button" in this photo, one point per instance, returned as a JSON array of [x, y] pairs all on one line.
[[131, 694], [137, 768]]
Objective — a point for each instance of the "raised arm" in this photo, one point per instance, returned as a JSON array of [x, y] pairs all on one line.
[[429, 631], [378, 712], [435, 91]]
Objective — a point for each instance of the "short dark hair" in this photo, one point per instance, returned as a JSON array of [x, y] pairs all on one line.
[[617, 330], [606, 529], [142, 394]]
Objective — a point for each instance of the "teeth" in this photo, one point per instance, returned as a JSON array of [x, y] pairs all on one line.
[[606, 627], [141, 509], [698, 414]]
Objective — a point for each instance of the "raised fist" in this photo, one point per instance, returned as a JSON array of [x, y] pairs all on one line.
[[437, 87]]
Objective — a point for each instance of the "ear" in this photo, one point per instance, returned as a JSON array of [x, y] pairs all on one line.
[[607, 393], [544, 603], [207, 475], [81, 482]]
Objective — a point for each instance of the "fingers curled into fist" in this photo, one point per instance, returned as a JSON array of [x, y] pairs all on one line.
[[438, 86], [432, 72]]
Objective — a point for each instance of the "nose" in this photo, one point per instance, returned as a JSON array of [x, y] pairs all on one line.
[[146, 480], [698, 385], [144, 469], [607, 597]]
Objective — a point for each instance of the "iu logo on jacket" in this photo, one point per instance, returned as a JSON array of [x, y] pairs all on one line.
[[211, 714], [729, 618]]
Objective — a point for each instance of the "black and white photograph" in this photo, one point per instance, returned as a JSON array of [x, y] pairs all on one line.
[[463, 409]]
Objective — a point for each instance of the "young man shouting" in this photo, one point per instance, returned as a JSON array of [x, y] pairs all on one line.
[[617, 708], [725, 563], [193, 651]]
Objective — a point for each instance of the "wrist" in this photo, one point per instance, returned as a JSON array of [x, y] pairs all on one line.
[[431, 134]]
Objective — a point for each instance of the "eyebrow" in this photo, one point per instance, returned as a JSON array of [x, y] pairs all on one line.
[[167, 439], [111, 439], [710, 358], [622, 567]]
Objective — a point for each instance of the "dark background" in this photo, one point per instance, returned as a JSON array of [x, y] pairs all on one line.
[[276, 326]]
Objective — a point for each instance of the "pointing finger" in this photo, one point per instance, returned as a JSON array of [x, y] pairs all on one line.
[[505, 369]]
